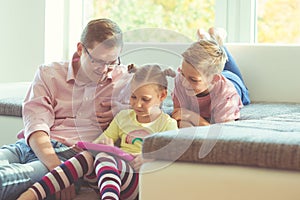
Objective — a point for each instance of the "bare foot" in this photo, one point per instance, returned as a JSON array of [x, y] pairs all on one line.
[[27, 195], [219, 34], [201, 34]]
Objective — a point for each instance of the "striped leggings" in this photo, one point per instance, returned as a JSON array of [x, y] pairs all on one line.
[[113, 176]]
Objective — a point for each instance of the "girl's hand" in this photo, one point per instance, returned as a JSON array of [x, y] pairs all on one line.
[[137, 162], [104, 140]]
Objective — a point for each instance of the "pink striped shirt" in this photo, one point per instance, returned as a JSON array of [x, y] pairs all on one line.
[[222, 104], [65, 108]]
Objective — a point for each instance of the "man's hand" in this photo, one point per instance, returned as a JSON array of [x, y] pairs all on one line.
[[104, 118]]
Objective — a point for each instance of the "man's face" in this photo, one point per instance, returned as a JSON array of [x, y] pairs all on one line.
[[98, 61]]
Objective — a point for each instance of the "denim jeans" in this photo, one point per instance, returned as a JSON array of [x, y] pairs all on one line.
[[20, 168], [239, 86], [232, 72]]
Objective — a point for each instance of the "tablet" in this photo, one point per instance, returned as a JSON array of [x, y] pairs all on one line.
[[113, 150]]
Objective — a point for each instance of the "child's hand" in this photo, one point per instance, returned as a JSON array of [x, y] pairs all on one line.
[[137, 162], [182, 114], [188, 118], [183, 120], [104, 140], [183, 124]]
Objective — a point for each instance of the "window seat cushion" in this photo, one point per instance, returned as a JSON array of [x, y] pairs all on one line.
[[267, 135]]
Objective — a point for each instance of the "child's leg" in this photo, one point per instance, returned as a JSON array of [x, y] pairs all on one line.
[[63, 176], [220, 34], [231, 65], [116, 178], [231, 70]]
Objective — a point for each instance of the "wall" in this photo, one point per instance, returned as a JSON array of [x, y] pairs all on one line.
[[270, 71], [22, 38]]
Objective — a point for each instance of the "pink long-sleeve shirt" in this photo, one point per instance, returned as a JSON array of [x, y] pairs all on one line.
[[65, 108], [222, 104]]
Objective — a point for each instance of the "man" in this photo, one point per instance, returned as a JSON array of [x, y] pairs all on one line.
[[66, 102]]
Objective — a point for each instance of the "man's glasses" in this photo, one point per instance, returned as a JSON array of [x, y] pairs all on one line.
[[99, 62]]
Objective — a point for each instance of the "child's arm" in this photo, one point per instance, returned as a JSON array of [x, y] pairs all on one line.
[[138, 160], [110, 135], [103, 139], [185, 116]]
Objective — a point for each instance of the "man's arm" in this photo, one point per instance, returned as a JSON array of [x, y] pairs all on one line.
[[39, 142]]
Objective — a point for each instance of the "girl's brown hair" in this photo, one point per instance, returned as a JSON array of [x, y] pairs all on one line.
[[150, 74]]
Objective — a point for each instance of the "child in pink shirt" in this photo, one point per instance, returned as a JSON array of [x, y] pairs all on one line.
[[202, 95]]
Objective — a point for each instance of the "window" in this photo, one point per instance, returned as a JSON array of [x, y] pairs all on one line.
[[260, 21], [154, 20], [278, 21], [176, 21]]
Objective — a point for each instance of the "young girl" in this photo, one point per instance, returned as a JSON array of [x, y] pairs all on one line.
[[202, 95], [117, 178]]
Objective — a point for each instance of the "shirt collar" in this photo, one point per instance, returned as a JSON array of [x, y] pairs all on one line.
[[71, 73]]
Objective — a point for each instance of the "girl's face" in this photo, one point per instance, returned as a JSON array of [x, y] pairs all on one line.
[[192, 80], [146, 101]]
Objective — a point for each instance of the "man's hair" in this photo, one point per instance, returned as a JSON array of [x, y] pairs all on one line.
[[103, 31]]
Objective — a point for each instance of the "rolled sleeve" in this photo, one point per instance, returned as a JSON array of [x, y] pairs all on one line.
[[38, 114], [37, 117]]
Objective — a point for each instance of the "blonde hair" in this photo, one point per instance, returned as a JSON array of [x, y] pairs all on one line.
[[207, 56], [150, 74]]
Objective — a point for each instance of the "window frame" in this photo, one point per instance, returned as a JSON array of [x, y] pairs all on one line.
[[238, 17], [233, 15]]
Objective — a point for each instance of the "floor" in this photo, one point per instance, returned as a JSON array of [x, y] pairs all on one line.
[[87, 194]]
